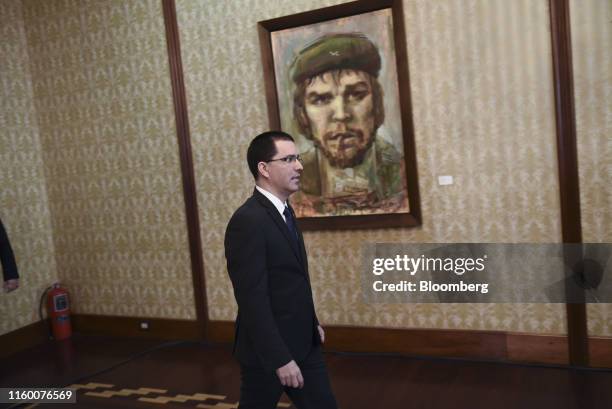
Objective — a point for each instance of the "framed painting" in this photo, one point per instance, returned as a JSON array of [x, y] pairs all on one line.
[[337, 81]]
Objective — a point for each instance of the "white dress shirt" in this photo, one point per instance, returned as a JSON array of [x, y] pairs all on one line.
[[280, 206]]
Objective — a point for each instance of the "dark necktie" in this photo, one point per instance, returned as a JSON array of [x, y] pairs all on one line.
[[290, 223]]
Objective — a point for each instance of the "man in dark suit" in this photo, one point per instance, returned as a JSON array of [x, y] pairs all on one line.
[[278, 337], [9, 266]]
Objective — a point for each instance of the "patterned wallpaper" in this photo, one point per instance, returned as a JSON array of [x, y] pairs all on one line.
[[104, 103], [483, 111], [592, 64], [24, 206], [103, 126]]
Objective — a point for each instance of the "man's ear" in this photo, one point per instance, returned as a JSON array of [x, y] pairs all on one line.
[[262, 167]]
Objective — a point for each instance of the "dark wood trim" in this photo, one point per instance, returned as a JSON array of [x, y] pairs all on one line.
[[568, 164], [565, 121], [371, 221], [532, 348], [426, 342], [267, 63], [186, 157], [478, 345], [403, 78], [24, 338], [159, 328], [600, 352], [220, 331], [378, 221], [325, 14], [578, 341]]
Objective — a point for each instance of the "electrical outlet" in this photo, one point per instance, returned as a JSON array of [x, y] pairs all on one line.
[[144, 325], [445, 180]]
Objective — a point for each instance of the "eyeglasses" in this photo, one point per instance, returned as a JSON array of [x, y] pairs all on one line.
[[287, 159]]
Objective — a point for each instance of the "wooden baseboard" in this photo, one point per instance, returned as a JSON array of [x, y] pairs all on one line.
[[600, 352], [24, 338], [220, 331], [425, 342], [487, 345], [540, 349], [158, 328]]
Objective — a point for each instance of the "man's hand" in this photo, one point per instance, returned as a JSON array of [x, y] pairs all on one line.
[[10, 285], [290, 375], [321, 334]]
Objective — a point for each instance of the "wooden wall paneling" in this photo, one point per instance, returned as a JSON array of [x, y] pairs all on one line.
[[186, 158], [567, 153]]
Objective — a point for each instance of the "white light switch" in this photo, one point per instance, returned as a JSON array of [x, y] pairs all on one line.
[[445, 180]]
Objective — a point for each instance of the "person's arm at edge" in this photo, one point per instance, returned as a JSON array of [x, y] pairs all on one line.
[[7, 258]]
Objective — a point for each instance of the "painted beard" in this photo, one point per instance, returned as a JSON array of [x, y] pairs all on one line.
[[351, 148]]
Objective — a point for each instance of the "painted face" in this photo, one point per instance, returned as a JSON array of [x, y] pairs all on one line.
[[284, 177], [340, 112]]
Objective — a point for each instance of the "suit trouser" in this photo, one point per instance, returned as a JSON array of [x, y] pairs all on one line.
[[261, 389]]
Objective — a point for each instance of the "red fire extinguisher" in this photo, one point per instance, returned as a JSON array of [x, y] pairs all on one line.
[[58, 308]]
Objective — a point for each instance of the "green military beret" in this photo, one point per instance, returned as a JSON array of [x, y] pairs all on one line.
[[336, 51]]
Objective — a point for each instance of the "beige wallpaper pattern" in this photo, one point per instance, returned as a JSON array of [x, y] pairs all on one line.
[[483, 111], [104, 125], [592, 63], [24, 207], [104, 103]]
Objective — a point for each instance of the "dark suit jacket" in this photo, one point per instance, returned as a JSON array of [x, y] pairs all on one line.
[[276, 317], [7, 258]]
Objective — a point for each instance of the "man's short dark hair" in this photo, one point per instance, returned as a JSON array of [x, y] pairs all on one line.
[[263, 148]]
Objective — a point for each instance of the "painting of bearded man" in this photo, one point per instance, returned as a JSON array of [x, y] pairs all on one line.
[[335, 87]]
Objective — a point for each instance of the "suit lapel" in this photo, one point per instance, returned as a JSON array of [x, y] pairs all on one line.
[[280, 223]]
